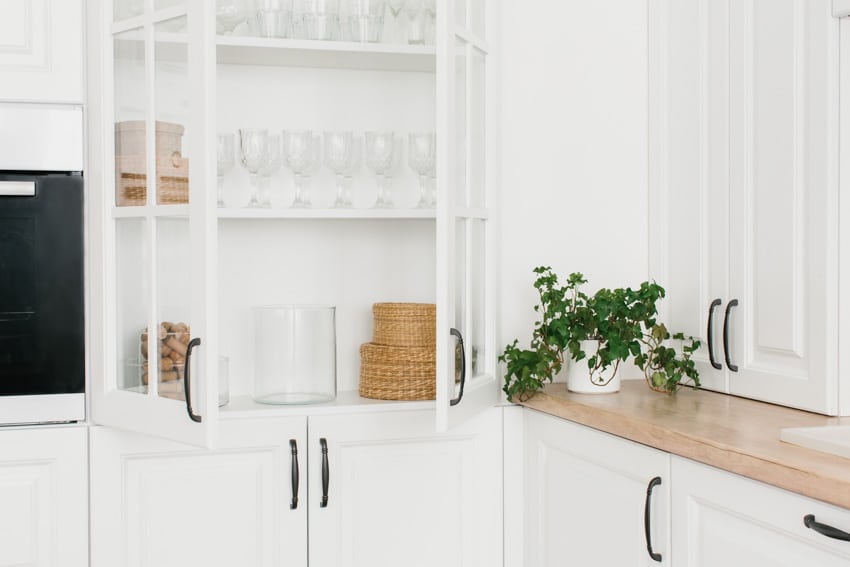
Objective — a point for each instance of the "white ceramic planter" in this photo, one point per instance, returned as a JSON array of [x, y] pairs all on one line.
[[578, 375]]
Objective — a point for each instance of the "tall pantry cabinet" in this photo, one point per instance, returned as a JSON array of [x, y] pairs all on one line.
[[744, 192], [163, 83]]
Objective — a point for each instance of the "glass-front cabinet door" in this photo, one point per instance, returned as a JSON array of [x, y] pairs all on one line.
[[154, 374], [467, 380]]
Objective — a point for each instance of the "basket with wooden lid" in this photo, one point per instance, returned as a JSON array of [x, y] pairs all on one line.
[[400, 362]]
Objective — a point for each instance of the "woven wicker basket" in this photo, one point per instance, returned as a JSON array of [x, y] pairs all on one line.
[[172, 181], [405, 324], [398, 373]]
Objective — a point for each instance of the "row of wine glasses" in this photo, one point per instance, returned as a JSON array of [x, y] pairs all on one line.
[[411, 21], [262, 152]]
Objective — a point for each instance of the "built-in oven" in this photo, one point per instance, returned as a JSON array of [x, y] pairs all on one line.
[[42, 306]]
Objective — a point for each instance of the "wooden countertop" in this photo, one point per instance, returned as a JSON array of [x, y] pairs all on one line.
[[730, 433]]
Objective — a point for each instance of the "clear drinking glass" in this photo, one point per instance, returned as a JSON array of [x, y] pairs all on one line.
[[339, 155], [254, 152], [380, 157], [301, 154], [225, 160], [366, 20], [295, 354], [415, 22], [271, 165], [320, 19], [274, 18], [422, 156]]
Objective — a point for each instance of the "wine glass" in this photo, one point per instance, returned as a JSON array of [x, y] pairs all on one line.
[[300, 152], [271, 165], [430, 8], [254, 146], [225, 160], [416, 22], [422, 155], [339, 155], [366, 20], [380, 157], [395, 7]]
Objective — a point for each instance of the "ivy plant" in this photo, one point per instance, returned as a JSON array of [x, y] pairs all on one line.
[[622, 321]]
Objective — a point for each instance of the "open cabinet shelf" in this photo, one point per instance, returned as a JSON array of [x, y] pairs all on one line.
[[329, 214], [244, 407]]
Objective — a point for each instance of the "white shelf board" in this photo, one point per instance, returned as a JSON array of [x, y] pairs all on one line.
[[317, 214], [244, 407], [240, 50], [168, 211]]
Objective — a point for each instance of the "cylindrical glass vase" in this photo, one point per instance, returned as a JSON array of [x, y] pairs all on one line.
[[295, 354]]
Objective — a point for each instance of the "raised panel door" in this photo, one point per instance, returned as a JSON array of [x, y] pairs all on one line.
[[586, 496], [400, 494], [43, 491]]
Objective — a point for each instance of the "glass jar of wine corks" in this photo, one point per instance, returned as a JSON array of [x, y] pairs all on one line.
[[173, 339]]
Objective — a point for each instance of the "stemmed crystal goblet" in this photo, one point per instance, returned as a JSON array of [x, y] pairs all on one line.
[[395, 7], [416, 22], [340, 155], [430, 9], [254, 152], [271, 165], [421, 156], [225, 160], [380, 157], [300, 152]]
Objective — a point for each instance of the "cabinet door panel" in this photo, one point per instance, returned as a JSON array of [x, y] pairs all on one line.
[[723, 519], [585, 490], [160, 503], [783, 264], [400, 494], [43, 488], [689, 165]]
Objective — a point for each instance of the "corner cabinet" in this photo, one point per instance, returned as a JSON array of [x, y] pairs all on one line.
[[162, 85], [344, 490], [744, 129]]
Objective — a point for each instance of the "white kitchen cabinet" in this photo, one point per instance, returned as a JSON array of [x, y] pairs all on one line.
[[744, 192], [587, 496], [397, 492], [159, 503], [41, 51], [44, 497], [724, 519], [156, 259]]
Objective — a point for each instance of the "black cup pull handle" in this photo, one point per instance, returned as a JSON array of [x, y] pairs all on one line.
[[296, 480], [187, 384], [326, 472], [456, 333], [710, 334], [824, 529], [647, 519], [726, 354]]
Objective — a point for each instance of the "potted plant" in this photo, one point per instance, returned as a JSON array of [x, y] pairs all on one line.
[[603, 329]]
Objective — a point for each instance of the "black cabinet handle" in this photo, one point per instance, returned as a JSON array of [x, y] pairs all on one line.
[[647, 519], [823, 529], [710, 334], [326, 472], [459, 397], [296, 480], [729, 364], [187, 384]]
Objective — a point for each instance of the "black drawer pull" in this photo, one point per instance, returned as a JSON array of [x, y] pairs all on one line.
[[823, 529], [729, 364], [647, 519], [326, 473], [187, 387], [296, 480], [710, 334]]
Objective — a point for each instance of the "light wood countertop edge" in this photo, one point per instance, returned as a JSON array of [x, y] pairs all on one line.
[[761, 456]]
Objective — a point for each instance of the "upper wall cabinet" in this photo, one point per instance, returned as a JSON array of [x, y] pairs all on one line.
[[744, 191], [221, 184], [41, 51]]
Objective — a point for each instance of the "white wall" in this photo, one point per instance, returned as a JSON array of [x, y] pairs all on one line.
[[574, 148]]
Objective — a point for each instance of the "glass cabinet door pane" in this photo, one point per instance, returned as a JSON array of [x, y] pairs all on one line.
[[171, 108], [132, 284], [461, 321], [173, 292], [478, 130], [130, 111], [123, 9], [476, 328], [477, 18], [460, 13], [461, 158]]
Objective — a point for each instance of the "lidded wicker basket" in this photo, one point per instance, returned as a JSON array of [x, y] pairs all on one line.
[[401, 361]]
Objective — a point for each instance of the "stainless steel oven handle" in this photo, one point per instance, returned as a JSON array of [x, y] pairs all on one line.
[[17, 188]]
